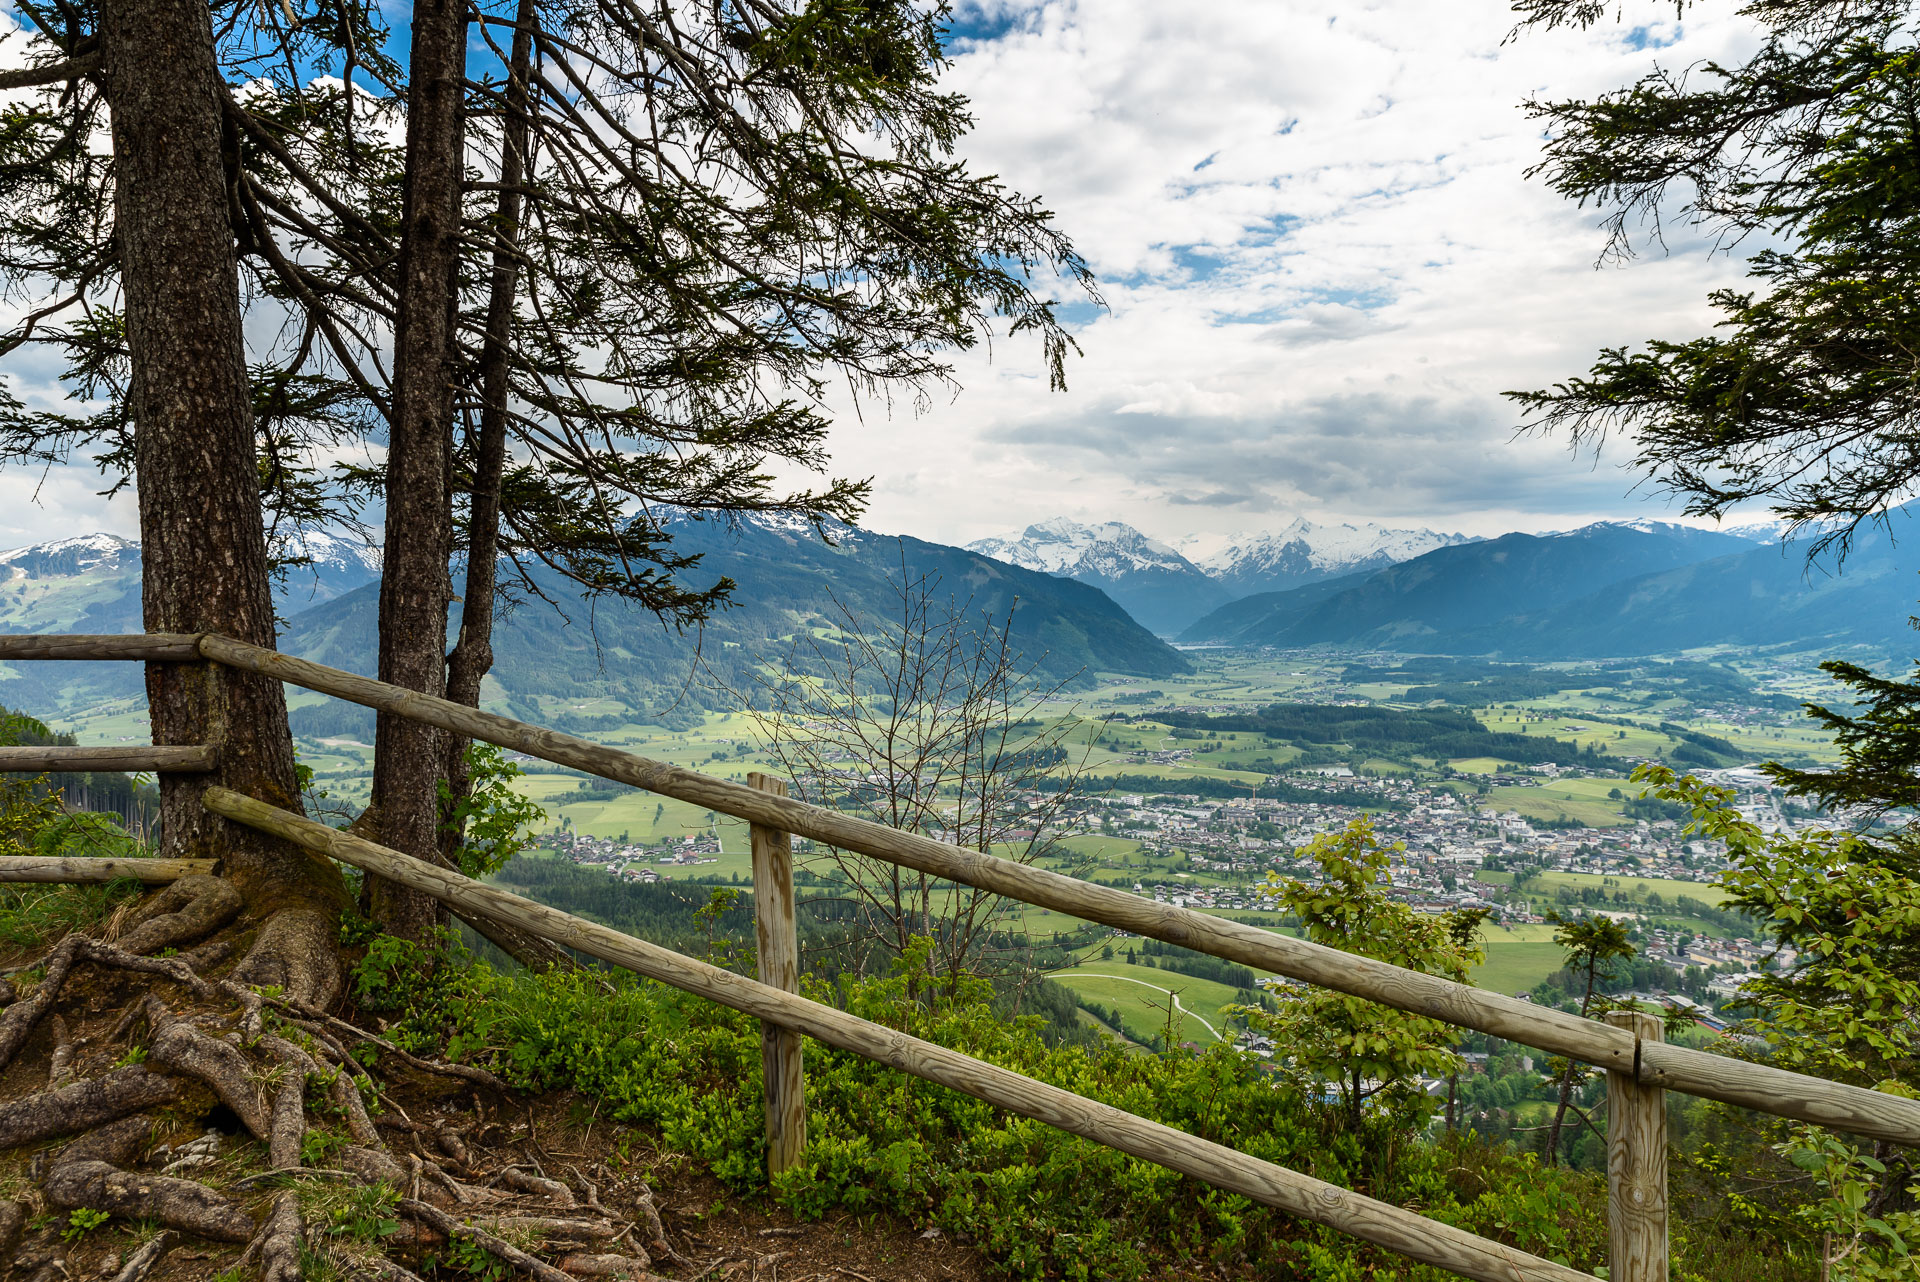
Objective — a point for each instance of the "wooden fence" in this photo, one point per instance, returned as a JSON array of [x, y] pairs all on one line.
[[1639, 1064]]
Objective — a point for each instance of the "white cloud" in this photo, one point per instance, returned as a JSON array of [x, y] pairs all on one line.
[[1324, 264], [1323, 260]]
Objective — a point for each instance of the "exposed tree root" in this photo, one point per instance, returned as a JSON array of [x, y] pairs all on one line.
[[186, 910], [372, 1165], [654, 1231], [60, 1071], [89, 1175], [139, 1263], [181, 1048], [82, 1105], [445, 1224], [21, 1018], [283, 1047], [583, 1265], [520, 1181], [13, 1218], [280, 1241], [296, 953]]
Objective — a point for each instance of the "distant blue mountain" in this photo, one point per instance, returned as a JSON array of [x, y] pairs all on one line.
[[1600, 591]]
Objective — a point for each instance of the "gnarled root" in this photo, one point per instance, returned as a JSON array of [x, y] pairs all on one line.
[[180, 1047], [521, 1182], [582, 1265], [441, 1222], [136, 1266], [88, 1175], [654, 1231], [21, 1018], [13, 1218], [82, 1105], [280, 1241], [296, 952], [184, 911]]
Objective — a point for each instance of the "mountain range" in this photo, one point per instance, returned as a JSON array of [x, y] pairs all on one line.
[[1606, 590], [1609, 589], [1168, 588], [787, 581]]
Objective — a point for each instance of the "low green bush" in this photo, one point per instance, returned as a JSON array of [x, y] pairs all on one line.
[[1041, 1202]]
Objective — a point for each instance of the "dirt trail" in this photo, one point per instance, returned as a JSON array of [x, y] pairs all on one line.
[[1177, 1005]]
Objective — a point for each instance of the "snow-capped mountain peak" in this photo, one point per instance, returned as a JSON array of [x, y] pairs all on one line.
[[1064, 547], [1302, 551], [76, 555], [318, 548]]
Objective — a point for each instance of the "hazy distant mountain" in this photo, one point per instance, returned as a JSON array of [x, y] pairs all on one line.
[[786, 580], [1606, 590], [321, 567], [1768, 596], [1304, 553], [1161, 589], [1463, 588], [1167, 588]]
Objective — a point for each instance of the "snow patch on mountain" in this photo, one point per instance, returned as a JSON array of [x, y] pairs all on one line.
[[1303, 548], [76, 555], [319, 549], [1110, 549]]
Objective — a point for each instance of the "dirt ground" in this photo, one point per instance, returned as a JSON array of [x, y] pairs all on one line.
[[558, 1136]]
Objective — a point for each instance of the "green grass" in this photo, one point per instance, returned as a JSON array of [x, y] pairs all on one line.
[[1636, 888], [1582, 799], [1123, 989], [1513, 968]]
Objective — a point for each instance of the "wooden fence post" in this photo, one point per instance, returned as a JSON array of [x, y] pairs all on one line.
[[779, 947], [1636, 1165]]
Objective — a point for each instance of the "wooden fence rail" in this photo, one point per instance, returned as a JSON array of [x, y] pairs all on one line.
[[1640, 1065], [1381, 1223], [1675, 1068], [190, 758], [89, 868]]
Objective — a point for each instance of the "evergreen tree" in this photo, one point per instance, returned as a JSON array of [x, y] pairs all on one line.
[[1802, 399]]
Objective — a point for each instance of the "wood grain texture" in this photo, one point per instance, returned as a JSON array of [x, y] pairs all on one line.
[[1392, 1227], [1784, 1094], [151, 647], [40, 868], [1636, 1164], [136, 758], [778, 938]]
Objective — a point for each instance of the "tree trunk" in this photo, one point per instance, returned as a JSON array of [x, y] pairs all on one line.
[[1566, 1078], [204, 559], [472, 656], [414, 587]]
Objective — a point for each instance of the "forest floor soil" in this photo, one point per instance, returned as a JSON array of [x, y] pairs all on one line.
[[722, 1236]]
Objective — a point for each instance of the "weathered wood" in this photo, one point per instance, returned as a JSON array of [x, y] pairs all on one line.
[[149, 647], [778, 937], [1412, 1235], [135, 759], [1636, 1164], [1756, 1086], [1494, 1013], [49, 869], [1671, 1067]]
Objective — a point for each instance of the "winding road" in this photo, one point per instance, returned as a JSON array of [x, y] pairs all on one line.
[[1128, 979]]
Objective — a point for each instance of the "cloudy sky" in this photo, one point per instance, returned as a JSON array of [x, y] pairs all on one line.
[[1322, 259], [1323, 263]]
